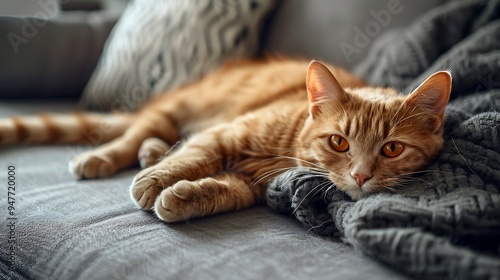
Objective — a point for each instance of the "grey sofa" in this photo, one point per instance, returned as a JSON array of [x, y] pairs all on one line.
[[69, 229]]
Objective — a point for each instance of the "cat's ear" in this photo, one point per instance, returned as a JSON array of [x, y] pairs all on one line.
[[432, 94], [321, 87]]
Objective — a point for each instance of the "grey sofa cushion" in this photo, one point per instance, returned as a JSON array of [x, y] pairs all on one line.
[[163, 45], [53, 58]]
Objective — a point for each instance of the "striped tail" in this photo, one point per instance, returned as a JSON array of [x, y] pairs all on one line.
[[73, 128]]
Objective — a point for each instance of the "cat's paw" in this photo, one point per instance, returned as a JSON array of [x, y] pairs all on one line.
[[92, 165], [179, 203], [145, 188], [151, 151], [187, 199]]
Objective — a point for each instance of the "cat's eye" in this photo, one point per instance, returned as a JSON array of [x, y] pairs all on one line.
[[339, 143], [392, 149]]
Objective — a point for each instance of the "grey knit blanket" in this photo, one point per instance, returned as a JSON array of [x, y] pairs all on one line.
[[445, 225]]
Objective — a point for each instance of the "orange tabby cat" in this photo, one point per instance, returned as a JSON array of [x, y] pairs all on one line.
[[247, 123]]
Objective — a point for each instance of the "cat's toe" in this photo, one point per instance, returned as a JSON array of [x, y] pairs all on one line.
[[177, 203], [151, 151], [144, 190], [90, 165]]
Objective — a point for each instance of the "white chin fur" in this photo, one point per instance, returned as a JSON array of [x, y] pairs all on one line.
[[356, 194]]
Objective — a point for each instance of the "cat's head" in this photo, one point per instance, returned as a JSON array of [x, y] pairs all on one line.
[[368, 139]]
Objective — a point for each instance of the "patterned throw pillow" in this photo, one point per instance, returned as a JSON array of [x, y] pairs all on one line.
[[162, 44]]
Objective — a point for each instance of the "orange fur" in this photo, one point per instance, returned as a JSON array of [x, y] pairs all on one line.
[[245, 124]]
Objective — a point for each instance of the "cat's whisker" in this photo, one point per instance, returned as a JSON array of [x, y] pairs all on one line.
[[464, 159], [416, 179], [173, 147], [282, 151], [455, 176], [397, 112], [316, 189], [423, 172], [294, 179], [409, 117], [304, 161], [302, 177], [295, 159], [332, 185], [391, 188], [402, 119], [320, 225], [410, 176], [404, 126], [313, 172], [270, 173]]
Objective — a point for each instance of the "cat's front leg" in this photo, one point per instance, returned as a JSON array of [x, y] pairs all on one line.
[[123, 151], [186, 164], [198, 180], [184, 199], [204, 155]]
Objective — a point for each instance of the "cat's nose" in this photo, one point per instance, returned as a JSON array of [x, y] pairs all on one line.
[[361, 178]]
